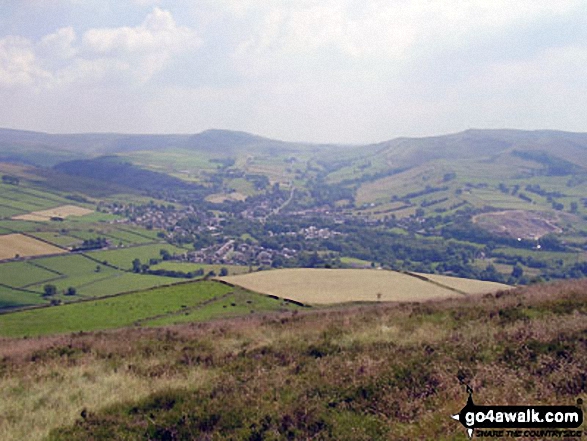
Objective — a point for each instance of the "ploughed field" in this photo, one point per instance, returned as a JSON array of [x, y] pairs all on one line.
[[328, 286]]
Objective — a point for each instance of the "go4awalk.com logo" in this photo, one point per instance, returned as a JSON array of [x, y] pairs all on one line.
[[520, 421]]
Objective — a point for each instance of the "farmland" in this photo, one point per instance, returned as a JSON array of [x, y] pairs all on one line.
[[186, 302], [12, 245], [324, 286], [365, 372], [187, 267], [122, 258], [63, 211]]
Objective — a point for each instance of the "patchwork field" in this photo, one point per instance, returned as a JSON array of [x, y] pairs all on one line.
[[63, 212], [328, 286], [123, 258], [187, 267], [182, 303], [24, 246]]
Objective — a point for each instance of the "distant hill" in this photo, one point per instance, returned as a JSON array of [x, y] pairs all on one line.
[[49, 149], [473, 144], [111, 170], [23, 146]]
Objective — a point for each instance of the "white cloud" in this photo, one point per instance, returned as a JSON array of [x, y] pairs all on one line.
[[58, 45], [147, 48], [18, 63], [123, 55], [158, 33]]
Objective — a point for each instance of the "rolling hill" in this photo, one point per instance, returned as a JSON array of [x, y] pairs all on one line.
[[370, 372]]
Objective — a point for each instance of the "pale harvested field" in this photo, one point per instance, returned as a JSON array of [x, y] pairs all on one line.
[[24, 246], [469, 286], [63, 212], [327, 286]]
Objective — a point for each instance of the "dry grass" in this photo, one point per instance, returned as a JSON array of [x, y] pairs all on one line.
[[328, 286], [361, 372], [51, 395], [63, 211], [24, 246]]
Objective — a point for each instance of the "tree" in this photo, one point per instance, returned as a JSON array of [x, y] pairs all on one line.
[[517, 271], [71, 291], [50, 290], [12, 180], [223, 272], [574, 207]]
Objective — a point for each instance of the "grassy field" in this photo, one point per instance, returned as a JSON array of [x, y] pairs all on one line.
[[12, 298], [236, 304], [89, 278], [56, 238], [187, 267], [112, 312], [328, 286], [20, 274], [123, 258], [374, 372]]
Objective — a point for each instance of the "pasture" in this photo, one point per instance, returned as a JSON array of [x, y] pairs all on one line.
[[111, 312], [13, 298], [187, 267], [12, 245], [329, 286], [123, 257], [234, 304]]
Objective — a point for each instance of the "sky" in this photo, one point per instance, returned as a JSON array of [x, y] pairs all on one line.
[[346, 71]]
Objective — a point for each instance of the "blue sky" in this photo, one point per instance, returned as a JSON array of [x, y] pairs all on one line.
[[322, 71]]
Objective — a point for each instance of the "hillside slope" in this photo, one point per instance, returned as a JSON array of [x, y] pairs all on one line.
[[371, 372]]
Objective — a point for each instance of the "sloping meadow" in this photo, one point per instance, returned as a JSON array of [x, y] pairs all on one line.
[[364, 372]]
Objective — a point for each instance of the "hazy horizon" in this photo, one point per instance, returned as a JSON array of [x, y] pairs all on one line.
[[321, 72]]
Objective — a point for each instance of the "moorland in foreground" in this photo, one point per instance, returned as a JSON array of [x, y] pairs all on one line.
[[382, 371]]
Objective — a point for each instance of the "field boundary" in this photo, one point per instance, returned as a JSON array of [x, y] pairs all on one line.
[[110, 296], [426, 279], [183, 310]]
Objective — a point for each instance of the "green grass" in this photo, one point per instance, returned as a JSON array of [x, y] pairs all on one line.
[[566, 257], [7, 212], [123, 258], [352, 261], [128, 238], [108, 313], [11, 298], [93, 217], [187, 267], [22, 205], [71, 265], [24, 226], [56, 238], [77, 271], [123, 282], [239, 303], [19, 274]]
